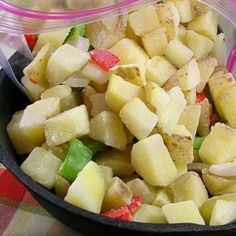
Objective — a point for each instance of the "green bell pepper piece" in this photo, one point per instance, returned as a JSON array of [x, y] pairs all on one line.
[[75, 32], [198, 142], [94, 145]]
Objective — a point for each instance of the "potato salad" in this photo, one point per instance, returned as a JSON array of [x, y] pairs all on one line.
[[134, 117]]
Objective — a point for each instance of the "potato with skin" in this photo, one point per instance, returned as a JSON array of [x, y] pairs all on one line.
[[151, 160], [183, 212], [187, 77], [219, 146], [115, 98], [169, 19], [190, 118], [73, 123], [36, 70], [144, 20], [189, 186], [159, 70], [133, 114], [119, 161], [177, 53], [117, 195], [180, 145], [108, 128]]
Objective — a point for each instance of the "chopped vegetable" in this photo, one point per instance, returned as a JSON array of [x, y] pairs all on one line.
[[31, 40], [198, 142], [136, 202], [104, 59], [200, 97], [94, 145], [121, 213], [74, 33], [78, 155]]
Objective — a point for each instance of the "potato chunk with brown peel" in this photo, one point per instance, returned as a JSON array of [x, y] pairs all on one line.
[[178, 53], [117, 195], [150, 214], [142, 189], [200, 45], [224, 212], [205, 24], [144, 20], [190, 118], [133, 114], [65, 61], [151, 160], [159, 70], [169, 19], [36, 70], [129, 52], [155, 42], [34, 117], [19, 140], [206, 67], [108, 128], [119, 92], [180, 145], [189, 186], [219, 146], [183, 212], [187, 77], [207, 207], [73, 123], [119, 161]]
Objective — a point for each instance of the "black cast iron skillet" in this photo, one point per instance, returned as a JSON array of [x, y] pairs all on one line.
[[87, 223]]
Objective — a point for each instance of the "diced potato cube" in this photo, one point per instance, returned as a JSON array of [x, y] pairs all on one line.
[[156, 98], [107, 173], [22, 144], [159, 70], [42, 167], [183, 212], [204, 121], [182, 32], [88, 189], [200, 45], [34, 90], [117, 99], [85, 94], [61, 186], [65, 61], [185, 10], [117, 195], [131, 35], [207, 207], [119, 161], [55, 38], [178, 53], [187, 77], [180, 145], [108, 128], [191, 96], [149, 214], [169, 19], [129, 52], [99, 103], [144, 20], [133, 114], [182, 168], [190, 118], [199, 8], [36, 70], [71, 101], [133, 73], [163, 197], [223, 212], [142, 189], [73, 123], [34, 117], [206, 67], [189, 186], [155, 42], [59, 91], [219, 146], [170, 117], [151, 160], [205, 24]]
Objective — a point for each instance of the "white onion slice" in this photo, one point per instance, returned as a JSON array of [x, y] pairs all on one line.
[[226, 169], [75, 82]]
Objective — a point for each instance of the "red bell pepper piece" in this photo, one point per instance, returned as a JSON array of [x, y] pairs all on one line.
[[121, 213], [200, 97], [214, 119], [103, 58], [31, 40], [136, 202]]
